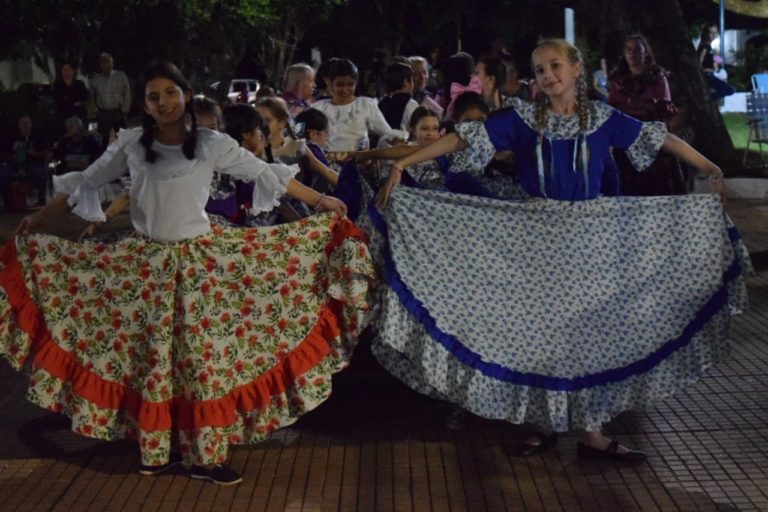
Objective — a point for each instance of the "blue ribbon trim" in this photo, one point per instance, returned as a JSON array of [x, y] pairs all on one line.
[[504, 374]]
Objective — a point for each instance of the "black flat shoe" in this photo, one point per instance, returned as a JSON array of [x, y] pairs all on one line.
[[545, 443], [587, 452], [219, 474]]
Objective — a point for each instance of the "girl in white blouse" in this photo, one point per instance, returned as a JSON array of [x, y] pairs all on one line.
[[203, 366], [352, 117]]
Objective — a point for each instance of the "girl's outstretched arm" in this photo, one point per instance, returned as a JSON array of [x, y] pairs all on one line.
[[119, 204], [318, 167], [390, 153], [56, 206], [687, 154], [315, 199], [442, 146]]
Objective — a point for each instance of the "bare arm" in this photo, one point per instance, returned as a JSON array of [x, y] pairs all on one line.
[[316, 200], [59, 205], [390, 153], [320, 168], [119, 204], [440, 147], [676, 146]]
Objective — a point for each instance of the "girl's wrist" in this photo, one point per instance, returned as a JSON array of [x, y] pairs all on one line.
[[319, 201], [716, 175]]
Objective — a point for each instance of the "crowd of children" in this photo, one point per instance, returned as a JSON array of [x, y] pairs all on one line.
[[222, 317]]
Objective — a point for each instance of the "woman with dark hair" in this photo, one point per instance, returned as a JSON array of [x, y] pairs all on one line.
[[639, 88], [70, 95], [185, 336]]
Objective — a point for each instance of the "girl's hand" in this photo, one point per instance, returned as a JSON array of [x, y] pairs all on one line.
[[718, 187], [328, 203], [30, 224], [88, 232], [393, 180]]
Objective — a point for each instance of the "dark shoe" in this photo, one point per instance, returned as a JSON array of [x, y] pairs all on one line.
[[218, 474], [173, 460], [545, 443], [587, 452]]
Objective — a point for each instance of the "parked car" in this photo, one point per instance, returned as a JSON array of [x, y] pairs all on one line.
[[241, 90]]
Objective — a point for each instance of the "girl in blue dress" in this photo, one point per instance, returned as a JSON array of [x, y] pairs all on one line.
[[562, 147]]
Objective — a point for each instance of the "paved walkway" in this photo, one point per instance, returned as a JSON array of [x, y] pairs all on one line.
[[376, 445]]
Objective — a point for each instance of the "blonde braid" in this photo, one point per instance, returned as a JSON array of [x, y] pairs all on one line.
[[542, 105], [582, 104]]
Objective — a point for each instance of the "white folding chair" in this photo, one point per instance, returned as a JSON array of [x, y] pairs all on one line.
[[757, 112]]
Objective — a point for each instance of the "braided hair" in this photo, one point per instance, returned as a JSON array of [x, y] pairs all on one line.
[[582, 101], [162, 69], [279, 109]]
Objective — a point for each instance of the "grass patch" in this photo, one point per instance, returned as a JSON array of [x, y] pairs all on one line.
[[736, 123]]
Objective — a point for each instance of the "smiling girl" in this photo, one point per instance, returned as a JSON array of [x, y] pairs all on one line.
[[186, 336], [351, 117], [571, 378]]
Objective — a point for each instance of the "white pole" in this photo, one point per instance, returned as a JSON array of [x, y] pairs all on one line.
[[569, 26]]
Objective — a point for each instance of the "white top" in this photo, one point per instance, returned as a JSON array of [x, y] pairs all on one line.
[[168, 197], [349, 124]]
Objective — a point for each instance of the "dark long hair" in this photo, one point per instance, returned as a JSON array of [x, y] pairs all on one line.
[[495, 67], [240, 119], [651, 70], [457, 68], [162, 69]]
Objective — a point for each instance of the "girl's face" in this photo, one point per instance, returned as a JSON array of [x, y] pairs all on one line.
[[255, 142], [307, 86], [487, 82], [319, 137], [426, 130], [555, 74], [275, 126], [343, 89], [634, 53], [207, 121], [165, 101]]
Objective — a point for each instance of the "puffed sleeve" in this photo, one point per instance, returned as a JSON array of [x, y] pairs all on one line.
[[500, 132], [270, 180], [83, 187], [642, 141]]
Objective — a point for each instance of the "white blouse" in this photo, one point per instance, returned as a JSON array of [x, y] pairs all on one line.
[[168, 197], [349, 124]]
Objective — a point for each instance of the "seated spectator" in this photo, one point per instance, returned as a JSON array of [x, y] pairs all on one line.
[[70, 95], [25, 155], [421, 95], [298, 88], [77, 149], [398, 105]]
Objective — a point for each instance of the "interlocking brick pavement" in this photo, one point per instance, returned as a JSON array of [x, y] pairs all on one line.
[[376, 445]]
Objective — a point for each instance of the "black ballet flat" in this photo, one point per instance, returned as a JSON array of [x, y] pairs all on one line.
[[545, 443], [587, 452]]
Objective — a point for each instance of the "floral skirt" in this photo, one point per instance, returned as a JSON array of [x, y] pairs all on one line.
[[192, 345], [549, 312]]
